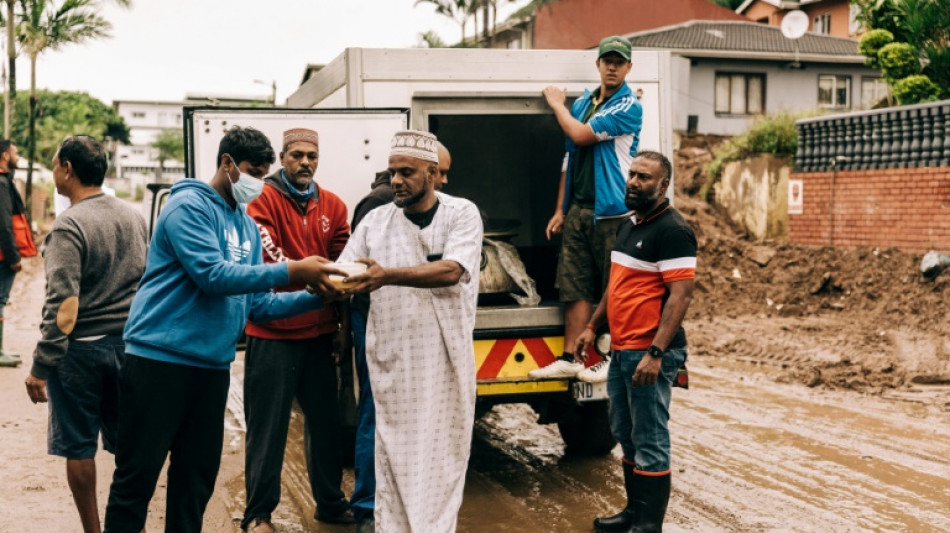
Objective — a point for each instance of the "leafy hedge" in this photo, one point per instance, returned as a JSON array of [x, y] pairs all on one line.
[[768, 134], [871, 43], [898, 60], [916, 88]]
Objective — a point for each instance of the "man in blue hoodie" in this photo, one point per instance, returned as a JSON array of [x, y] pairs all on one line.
[[204, 278]]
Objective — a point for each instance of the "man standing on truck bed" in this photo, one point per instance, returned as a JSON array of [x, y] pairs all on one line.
[[423, 253], [603, 131], [94, 259], [653, 265], [204, 278], [364, 469], [293, 357]]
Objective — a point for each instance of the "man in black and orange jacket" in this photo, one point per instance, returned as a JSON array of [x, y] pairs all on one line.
[[292, 358], [10, 204]]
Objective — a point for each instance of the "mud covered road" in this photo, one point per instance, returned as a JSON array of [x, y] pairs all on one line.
[[749, 455], [812, 421]]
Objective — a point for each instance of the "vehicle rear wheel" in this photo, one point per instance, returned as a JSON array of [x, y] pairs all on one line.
[[585, 429]]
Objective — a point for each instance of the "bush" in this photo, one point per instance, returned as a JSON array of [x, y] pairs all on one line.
[[770, 134], [915, 89], [871, 43], [898, 60]]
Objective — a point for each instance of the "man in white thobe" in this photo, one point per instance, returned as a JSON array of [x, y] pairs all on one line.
[[422, 253]]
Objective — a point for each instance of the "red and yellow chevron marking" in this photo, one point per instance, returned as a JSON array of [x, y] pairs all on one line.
[[514, 358]]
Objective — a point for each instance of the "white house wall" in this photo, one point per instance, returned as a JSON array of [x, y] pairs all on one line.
[[785, 89]]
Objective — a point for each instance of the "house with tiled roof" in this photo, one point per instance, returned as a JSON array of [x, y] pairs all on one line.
[[827, 17], [726, 73]]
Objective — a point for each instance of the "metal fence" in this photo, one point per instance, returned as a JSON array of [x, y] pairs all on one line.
[[897, 137]]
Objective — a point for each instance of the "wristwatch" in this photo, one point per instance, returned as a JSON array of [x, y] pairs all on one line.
[[655, 351]]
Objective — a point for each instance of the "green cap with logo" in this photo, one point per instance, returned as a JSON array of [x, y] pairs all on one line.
[[615, 43]]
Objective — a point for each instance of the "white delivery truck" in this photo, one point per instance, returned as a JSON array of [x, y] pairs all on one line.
[[507, 150]]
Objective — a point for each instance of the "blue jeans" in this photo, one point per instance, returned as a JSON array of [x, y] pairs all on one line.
[[639, 415], [363, 500], [6, 285]]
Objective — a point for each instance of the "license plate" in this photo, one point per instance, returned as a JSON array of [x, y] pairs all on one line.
[[589, 392]]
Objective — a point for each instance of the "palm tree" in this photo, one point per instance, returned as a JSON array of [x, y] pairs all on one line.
[[458, 10], [9, 96], [170, 146], [49, 25]]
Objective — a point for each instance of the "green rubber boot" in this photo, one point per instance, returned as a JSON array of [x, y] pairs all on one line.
[[7, 358]]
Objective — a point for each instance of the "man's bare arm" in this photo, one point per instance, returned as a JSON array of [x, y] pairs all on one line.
[[578, 132], [443, 273], [681, 294]]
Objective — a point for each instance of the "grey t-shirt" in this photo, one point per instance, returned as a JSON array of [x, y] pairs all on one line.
[[94, 259]]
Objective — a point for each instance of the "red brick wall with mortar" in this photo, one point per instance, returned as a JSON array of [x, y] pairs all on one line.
[[907, 208]]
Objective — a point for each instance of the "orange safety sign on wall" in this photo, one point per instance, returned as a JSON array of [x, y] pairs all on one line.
[[514, 358]]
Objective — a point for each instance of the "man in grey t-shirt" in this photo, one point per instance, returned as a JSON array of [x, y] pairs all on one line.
[[94, 258]]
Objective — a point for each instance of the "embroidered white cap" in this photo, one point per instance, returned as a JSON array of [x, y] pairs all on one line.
[[419, 144]]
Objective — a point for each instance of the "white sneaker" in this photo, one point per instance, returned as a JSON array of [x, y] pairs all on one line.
[[596, 373], [557, 369]]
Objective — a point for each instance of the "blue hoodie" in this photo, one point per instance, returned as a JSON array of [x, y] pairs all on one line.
[[204, 278]]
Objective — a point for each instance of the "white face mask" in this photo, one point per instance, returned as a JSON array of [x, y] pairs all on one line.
[[246, 188]]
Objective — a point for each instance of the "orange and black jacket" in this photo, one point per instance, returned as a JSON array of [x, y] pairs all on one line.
[[10, 204]]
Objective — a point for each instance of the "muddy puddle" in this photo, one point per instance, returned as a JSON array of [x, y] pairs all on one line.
[[749, 454]]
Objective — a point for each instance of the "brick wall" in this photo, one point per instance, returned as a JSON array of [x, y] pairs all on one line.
[[907, 208]]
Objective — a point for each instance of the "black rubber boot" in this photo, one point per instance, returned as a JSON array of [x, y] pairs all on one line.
[[651, 496], [624, 519]]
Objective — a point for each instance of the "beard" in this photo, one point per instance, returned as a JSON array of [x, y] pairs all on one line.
[[409, 200], [641, 200]]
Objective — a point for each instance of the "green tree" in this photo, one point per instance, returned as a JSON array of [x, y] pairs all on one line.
[[171, 147], [431, 39], [923, 24], [63, 113], [731, 5], [872, 42], [47, 25], [457, 10]]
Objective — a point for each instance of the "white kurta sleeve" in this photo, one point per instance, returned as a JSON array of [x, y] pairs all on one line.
[[464, 241], [356, 247]]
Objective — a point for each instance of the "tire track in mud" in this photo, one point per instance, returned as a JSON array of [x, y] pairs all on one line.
[[779, 457]]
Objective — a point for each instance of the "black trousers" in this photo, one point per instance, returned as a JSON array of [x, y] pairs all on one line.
[[276, 372], [166, 407]]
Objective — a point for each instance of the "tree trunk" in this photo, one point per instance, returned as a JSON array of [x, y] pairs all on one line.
[[161, 170], [9, 96], [494, 22], [32, 140]]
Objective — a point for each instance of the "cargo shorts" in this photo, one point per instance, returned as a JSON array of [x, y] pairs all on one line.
[[583, 266]]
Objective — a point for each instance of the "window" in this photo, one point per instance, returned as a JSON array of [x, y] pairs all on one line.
[[138, 114], [822, 23], [740, 94], [834, 91], [873, 90]]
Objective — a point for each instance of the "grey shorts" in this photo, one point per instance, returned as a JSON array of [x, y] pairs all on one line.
[[583, 267], [83, 398]]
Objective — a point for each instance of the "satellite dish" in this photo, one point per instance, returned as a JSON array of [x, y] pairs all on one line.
[[795, 24]]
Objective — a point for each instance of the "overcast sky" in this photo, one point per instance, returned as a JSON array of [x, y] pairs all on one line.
[[163, 49]]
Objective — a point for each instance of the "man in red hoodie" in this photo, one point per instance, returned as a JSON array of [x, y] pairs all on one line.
[[292, 358]]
